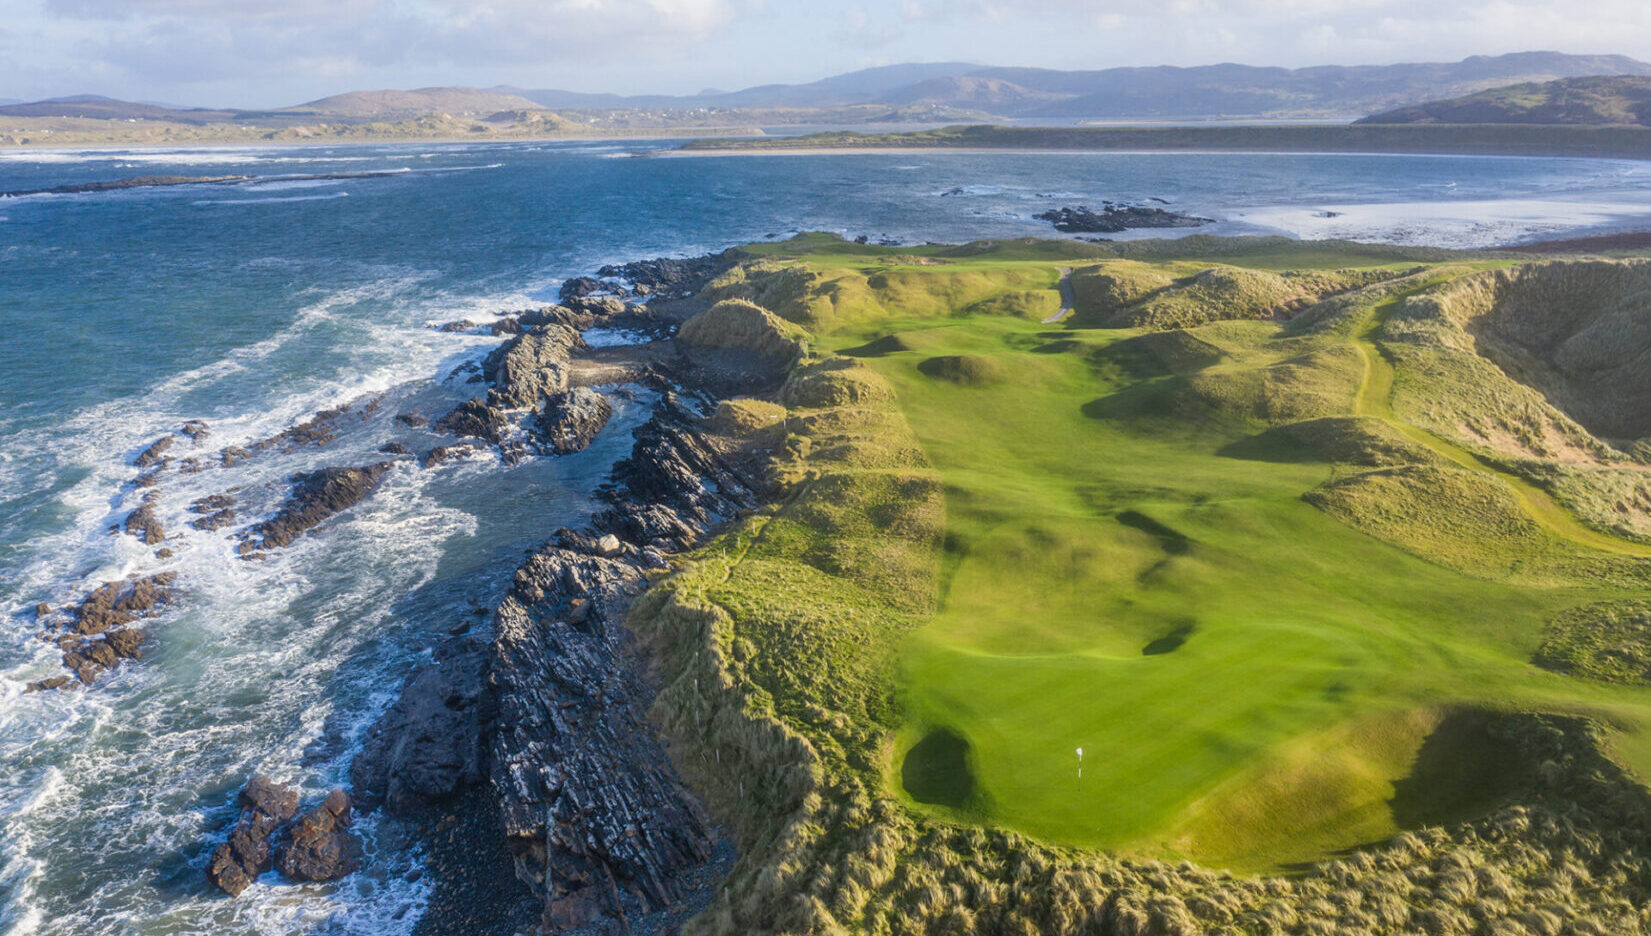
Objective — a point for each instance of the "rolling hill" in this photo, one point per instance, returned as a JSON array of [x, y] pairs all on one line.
[[1160, 92], [1590, 101], [406, 105]]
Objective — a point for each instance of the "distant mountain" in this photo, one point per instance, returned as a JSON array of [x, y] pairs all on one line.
[[10, 100], [99, 107], [404, 105], [1595, 101], [867, 86], [938, 91], [1161, 92]]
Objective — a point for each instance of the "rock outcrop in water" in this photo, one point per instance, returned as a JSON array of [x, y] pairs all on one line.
[[98, 632], [475, 419], [669, 278], [316, 846], [1114, 218], [530, 365], [315, 496], [235, 864], [155, 454], [570, 420], [144, 524]]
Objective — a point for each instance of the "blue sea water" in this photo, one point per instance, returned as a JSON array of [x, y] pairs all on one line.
[[124, 313]]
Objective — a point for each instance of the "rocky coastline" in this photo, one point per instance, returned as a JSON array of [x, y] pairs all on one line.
[[521, 757], [546, 722]]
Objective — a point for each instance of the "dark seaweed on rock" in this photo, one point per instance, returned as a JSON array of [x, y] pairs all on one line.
[[316, 496]]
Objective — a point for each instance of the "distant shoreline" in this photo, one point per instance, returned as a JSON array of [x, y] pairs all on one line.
[[1351, 139], [67, 145]]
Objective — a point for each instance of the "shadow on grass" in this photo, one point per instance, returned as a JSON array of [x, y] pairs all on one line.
[[888, 344], [1172, 641], [936, 770], [1462, 772]]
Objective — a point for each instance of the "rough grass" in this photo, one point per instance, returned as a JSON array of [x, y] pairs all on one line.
[[738, 323], [1131, 294], [1609, 641], [1028, 566]]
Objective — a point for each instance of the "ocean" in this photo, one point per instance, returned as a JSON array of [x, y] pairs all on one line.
[[124, 313]]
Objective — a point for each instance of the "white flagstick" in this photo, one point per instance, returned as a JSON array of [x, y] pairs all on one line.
[[1080, 763]]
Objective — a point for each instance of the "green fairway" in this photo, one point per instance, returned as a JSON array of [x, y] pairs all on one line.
[[1251, 680]]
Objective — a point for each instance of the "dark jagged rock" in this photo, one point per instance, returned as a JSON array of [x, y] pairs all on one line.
[[430, 743], [1113, 218], [395, 448], [505, 326], [671, 278], [115, 604], [579, 287], [319, 846], [442, 453], [95, 634], [148, 479], [315, 497], [219, 511], [594, 812], [321, 428], [591, 804], [42, 611], [462, 325], [216, 520], [155, 454], [50, 683], [411, 420], [674, 484], [547, 315], [235, 864], [475, 419], [597, 306], [571, 420], [143, 524], [196, 430], [530, 365], [231, 455]]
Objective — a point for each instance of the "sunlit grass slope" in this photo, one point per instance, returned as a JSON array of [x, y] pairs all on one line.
[[1280, 620], [1114, 580]]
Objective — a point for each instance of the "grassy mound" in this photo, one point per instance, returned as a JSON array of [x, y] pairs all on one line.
[[1316, 384], [1609, 641], [837, 382], [737, 323], [1127, 294], [1459, 519], [1156, 354], [745, 417], [1359, 441], [966, 370]]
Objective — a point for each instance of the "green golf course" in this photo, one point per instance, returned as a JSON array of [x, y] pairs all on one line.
[[1189, 529]]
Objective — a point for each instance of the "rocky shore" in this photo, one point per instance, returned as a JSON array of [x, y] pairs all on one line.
[[546, 723], [521, 755]]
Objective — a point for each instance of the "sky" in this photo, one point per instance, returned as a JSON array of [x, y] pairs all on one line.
[[270, 53]]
